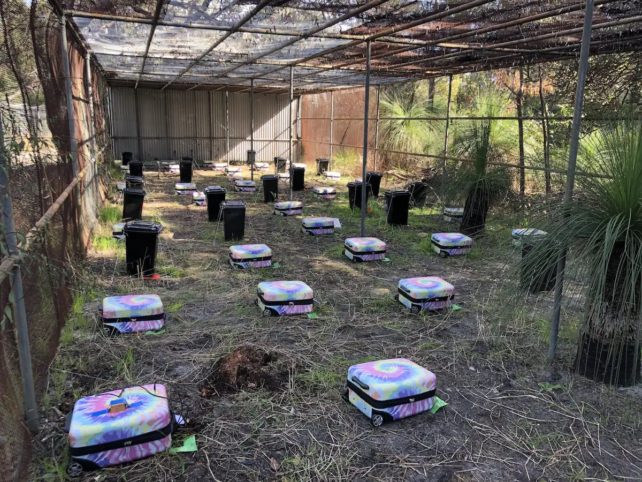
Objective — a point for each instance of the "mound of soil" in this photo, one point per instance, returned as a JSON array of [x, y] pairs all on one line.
[[247, 367]]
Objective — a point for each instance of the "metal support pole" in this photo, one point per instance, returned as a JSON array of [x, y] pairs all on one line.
[[252, 126], [19, 310], [209, 132], [443, 164], [366, 114], [376, 147], [90, 95], [71, 121], [168, 144], [331, 127], [570, 178], [138, 139], [227, 126], [290, 128]]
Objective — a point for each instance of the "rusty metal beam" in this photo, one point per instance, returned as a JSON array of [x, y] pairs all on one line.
[[157, 13]]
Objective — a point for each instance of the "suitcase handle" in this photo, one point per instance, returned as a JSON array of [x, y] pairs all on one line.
[[356, 380]]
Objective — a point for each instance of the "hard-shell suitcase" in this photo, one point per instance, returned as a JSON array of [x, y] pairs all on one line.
[[322, 165], [229, 170], [174, 169], [185, 188], [425, 293], [527, 234], [334, 175], [118, 230], [133, 313], [244, 186], [119, 426], [288, 208], [453, 215], [279, 298], [219, 166], [283, 176], [451, 244], [364, 249], [250, 256], [387, 390], [318, 225], [198, 198], [325, 192], [261, 166]]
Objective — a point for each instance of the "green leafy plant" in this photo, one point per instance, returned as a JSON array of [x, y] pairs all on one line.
[[484, 142], [603, 228]]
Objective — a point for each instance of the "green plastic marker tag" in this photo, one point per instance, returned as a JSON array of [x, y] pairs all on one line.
[[437, 404], [276, 265], [189, 445], [313, 315], [455, 307], [156, 332], [386, 260]]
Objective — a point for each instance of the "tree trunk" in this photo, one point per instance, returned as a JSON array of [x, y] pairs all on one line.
[[475, 211], [519, 101], [545, 135], [609, 347]]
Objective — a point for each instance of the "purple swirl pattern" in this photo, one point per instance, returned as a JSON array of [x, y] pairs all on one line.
[[393, 379], [129, 306], [284, 290], [325, 193], [426, 289], [244, 186], [454, 244], [92, 423], [288, 208]]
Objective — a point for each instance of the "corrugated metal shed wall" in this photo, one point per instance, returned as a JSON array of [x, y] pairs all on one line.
[[177, 123]]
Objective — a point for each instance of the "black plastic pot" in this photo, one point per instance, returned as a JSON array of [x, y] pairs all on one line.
[[127, 157], [322, 165], [418, 191], [374, 179], [298, 178], [215, 195], [280, 164], [134, 182], [136, 168], [186, 169], [133, 203], [233, 213], [397, 205], [354, 194], [251, 157], [270, 188], [141, 242]]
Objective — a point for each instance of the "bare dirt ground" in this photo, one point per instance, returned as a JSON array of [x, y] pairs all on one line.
[[506, 418]]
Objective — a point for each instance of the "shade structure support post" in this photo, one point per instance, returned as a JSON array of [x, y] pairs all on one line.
[[570, 177], [364, 166], [227, 127], [376, 146], [71, 118], [210, 128], [519, 100], [90, 98], [444, 168], [290, 128], [139, 142], [331, 127], [16, 297], [252, 128], [167, 139]]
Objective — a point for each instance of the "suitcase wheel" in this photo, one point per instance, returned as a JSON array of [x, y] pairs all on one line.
[[74, 469], [377, 420], [414, 309], [267, 312], [396, 297], [443, 254], [345, 395]]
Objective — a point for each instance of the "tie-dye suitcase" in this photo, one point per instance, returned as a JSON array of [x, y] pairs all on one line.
[[261, 166], [451, 244], [325, 192], [118, 231], [453, 215], [364, 249], [280, 298], [219, 166], [244, 186], [250, 256], [318, 226], [288, 208], [333, 175], [133, 313], [527, 234], [198, 198], [119, 426], [425, 293], [387, 390], [185, 188], [174, 169], [229, 170]]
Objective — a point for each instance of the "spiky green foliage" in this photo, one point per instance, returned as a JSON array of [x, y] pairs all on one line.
[[604, 230]]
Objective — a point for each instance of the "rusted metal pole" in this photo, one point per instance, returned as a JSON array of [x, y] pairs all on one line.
[[71, 117], [376, 146], [446, 132], [331, 126], [227, 126], [252, 129], [570, 178], [364, 165], [17, 295], [290, 129]]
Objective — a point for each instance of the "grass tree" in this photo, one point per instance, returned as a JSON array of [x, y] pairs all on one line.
[[604, 232], [484, 142]]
